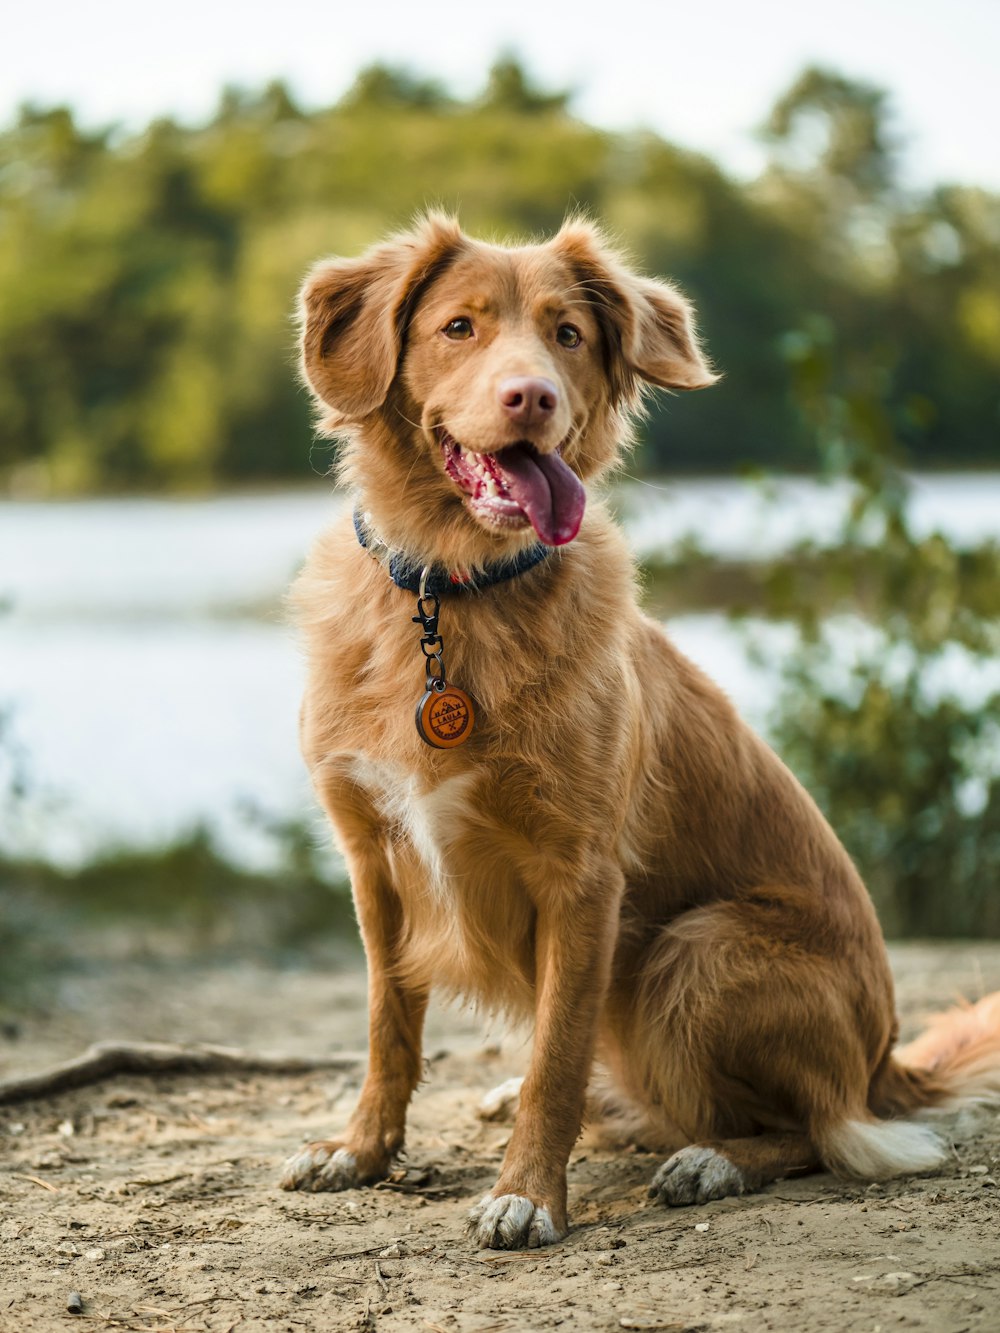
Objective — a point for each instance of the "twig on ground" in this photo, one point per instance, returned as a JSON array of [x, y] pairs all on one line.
[[813, 1198], [356, 1254], [509, 1257], [426, 1191], [19, 1175], [145, 1182], [951, 1277], [108, 1058]]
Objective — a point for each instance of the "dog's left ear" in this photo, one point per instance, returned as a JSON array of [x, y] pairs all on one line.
[[648, 325], [353, 314]]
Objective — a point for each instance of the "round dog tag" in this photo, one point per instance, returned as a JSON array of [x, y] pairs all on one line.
[[445, 718]]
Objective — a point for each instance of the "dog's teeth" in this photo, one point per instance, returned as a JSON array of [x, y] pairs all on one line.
[[491, 487]]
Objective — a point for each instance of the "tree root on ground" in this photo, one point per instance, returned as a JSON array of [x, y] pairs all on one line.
[[108, 1058]]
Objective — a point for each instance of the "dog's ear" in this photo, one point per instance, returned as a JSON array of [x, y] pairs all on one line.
[[353, 314], [648, 326]]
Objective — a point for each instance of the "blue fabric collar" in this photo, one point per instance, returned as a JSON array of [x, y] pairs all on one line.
[[405, 573]]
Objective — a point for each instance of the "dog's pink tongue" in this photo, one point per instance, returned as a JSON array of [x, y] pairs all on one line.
[[547, 490]]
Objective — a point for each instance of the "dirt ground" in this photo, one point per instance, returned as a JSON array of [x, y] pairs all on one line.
[[155, 1200]]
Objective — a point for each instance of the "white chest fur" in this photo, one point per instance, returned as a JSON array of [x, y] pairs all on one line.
[[428, 818]]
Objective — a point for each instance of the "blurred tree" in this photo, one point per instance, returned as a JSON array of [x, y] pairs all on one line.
[[510, 89], [831, 128], [148, 280], [943, 311], [386, 86]]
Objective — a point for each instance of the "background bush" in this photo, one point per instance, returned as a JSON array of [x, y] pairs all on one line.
[[901, 744]]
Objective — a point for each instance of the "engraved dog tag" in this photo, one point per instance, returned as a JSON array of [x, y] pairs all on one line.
[[445, 718]]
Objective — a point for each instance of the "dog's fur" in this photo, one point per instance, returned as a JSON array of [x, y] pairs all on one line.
[[613, 852]]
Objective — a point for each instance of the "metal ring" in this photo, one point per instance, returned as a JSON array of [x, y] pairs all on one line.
[[425, 574]]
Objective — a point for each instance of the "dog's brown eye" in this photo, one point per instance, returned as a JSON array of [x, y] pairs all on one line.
[[568, 336], [458, 329]]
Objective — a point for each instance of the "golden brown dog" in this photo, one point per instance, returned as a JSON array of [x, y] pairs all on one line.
[[611, 851]]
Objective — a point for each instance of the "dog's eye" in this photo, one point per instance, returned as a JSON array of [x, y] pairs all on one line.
[[567, 335], [458, 329]]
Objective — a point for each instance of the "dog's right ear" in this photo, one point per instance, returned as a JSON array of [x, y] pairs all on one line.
[[353, 314]]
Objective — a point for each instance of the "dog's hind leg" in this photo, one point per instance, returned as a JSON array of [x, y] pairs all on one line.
[[706, 1171], [757, 1027]]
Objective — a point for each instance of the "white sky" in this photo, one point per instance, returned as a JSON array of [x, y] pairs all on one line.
[[702, 74]]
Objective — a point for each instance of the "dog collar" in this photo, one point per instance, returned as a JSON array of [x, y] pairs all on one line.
[[406, 572]]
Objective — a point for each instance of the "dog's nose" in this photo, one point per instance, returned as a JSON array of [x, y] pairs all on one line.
[[528, 401]]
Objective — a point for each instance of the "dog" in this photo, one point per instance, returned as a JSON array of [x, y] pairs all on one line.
[[578, 829]]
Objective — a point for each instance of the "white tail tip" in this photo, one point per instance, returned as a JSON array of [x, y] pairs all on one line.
[[877, 1150]]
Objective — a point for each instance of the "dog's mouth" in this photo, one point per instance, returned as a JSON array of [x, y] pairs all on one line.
[[518, 486]]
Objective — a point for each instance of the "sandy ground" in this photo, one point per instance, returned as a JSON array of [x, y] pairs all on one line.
[[156, 1200]]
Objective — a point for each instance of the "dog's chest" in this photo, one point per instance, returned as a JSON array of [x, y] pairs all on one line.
[[467, 922], [426, 819]]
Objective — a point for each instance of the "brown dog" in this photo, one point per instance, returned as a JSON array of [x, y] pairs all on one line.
[[611, 851]]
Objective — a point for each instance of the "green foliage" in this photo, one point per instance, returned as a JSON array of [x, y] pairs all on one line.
[[901, 744], [145, 330], [833, 128], [509, 89]]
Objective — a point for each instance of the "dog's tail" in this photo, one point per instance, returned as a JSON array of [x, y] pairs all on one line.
[[951, 1068]]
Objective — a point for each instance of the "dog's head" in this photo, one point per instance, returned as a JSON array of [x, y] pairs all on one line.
[[479, 386]]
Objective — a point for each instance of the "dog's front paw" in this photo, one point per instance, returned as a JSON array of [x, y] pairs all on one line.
[[321, 1166], [696, 1175], [512, 1222]]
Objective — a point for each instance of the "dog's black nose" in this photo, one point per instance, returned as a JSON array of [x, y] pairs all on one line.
[[528, 401]]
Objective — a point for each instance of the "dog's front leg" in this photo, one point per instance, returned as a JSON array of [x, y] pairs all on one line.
[[375, 1132], [574, 944]]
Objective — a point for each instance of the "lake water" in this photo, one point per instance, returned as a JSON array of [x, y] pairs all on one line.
[[152, 682]]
